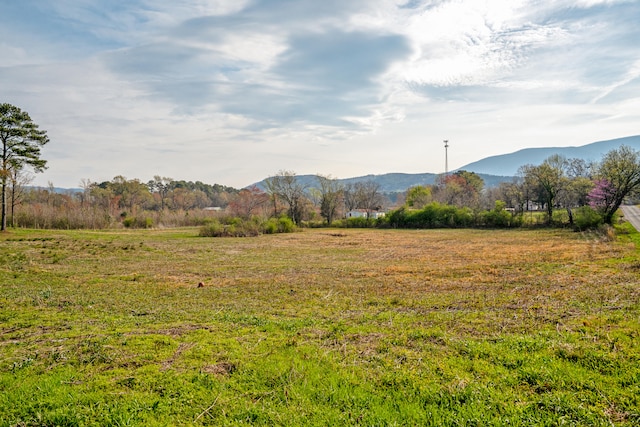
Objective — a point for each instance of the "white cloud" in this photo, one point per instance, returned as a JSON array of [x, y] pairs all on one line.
[[253, 47], [471, 43], [633, 73]]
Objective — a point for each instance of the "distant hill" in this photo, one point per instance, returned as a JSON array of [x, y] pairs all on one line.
[[57, 190], [508, 164]]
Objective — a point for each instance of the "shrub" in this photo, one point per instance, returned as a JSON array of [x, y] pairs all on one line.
[[586, 218], [360, 222], [463, 217], [137, 222], [316, 224], [243, 228], [212, 229], [270, 226], [434, 215], [238, 227], [278, 225], [382, 222], [498, 216], [397, 218], [339, 223], [285, 225]]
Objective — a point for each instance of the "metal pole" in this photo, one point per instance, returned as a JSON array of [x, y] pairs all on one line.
[[446, 157]]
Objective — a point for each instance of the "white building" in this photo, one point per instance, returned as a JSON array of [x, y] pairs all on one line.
[[362, 213]]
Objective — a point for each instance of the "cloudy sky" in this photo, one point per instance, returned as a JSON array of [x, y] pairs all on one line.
[[232, 91]]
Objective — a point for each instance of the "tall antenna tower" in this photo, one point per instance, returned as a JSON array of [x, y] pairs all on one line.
[[446, 157]]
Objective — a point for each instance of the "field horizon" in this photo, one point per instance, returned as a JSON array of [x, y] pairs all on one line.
[[319, 327]]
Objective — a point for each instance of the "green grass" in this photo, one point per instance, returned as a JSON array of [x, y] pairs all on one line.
[[322, 327]]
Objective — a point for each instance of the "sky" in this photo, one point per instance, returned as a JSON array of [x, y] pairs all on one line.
[[234, 91]]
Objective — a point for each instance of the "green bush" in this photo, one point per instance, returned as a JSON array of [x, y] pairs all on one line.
[[145, 222], [137, 222], [499, 217], [286, 225], [586, 218], [270, 226], [212, 229], [238, 227], [316, 224], [278, 225], [339, 223], [463, 217], [434, 215], [235, 228], [398, 218], [359, 222]]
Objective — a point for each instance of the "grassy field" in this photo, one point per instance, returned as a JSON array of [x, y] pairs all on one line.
[[322, 327]]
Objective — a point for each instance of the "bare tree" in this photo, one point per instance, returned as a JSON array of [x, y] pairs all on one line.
[[85, 196], [18, 180], [286, 187], [331, 194], [368, 196], [513, 194], [350, 197], [247, 202]]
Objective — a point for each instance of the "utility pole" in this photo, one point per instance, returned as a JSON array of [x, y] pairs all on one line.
[[446, 157]]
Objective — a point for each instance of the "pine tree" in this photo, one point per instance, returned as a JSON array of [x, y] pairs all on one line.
[[21, 143]]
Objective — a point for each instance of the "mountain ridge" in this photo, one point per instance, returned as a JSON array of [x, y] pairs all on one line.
[[493, 170], [508, 164]]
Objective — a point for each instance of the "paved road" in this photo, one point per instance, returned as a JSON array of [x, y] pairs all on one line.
[[632, 214]]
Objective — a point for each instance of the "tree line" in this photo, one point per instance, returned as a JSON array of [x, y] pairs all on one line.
[[560, 191], [566, 191], [589, 194], [118, 202]]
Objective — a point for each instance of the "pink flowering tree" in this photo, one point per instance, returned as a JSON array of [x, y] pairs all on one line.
[[602, 196]]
